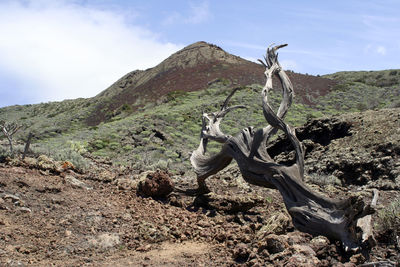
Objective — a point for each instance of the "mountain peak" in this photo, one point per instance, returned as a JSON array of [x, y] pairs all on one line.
[[189, 69], [199, 53]]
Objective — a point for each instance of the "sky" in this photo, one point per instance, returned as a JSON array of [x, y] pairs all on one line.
[[51, 50]]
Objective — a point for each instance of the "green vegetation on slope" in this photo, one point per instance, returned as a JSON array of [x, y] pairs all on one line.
[[362, 90], [156, 136], [162, 135]]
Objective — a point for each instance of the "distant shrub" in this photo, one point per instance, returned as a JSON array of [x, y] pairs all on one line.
[[361, 106], [172, 96], [98, 144], [126, 107], [395, 104], [113, 145], [4, 151], [387, 82], [340, 87], [161, 164], [127, 148]]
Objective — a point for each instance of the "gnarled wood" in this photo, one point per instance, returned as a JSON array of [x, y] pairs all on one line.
[[310, 212]]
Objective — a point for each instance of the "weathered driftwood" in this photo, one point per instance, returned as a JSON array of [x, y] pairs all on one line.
[[310, 212]]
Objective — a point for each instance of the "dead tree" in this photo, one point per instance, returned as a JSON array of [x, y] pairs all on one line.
[[310, 212], [27, 144], [9, 129]]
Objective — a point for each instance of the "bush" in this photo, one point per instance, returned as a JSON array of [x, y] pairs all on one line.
[[388, 222]]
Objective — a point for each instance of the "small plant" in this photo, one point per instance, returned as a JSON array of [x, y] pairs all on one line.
[[323, 180], [389, 220]]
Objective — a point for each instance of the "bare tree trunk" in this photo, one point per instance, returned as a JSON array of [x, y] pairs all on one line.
[[310, 212], [28, 143], [11, 145]]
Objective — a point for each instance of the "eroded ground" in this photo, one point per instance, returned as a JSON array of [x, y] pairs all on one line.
[[56, 216]]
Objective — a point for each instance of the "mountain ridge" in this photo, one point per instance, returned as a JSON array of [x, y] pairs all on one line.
[[190, 69]]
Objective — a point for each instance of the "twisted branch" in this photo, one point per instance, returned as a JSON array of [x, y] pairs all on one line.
[[310, 212]]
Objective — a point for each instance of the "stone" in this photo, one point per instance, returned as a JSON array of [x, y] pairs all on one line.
[[276, 224], [300, 255], [45, 163], [105, 240], [11, 197], [301, 260], [357, 259], [275, 243], [319, 242], [25, 210], [105, 176], [298, 237], [125, 183], [241, 252], [156, 184], [77, 183], [30, 161]]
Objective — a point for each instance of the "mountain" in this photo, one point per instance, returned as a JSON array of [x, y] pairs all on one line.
[[348, 123], [152, 118], [191, 69]]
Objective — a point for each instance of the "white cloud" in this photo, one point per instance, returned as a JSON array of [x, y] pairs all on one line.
[[381, 50], [289, 64], [252, 59], [61, 50], [375, 49], [197, 13]]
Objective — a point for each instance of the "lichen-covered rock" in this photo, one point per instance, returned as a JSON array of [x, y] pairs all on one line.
[[45, 163], [302, 258], [125, 183], [156, 184], [276, 224], [105, 240], [77, 183], [103, 175], [319, 242], [30, 162]]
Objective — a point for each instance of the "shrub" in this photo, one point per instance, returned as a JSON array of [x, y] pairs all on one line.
[[98, 144], [388, 221], [114, 145]]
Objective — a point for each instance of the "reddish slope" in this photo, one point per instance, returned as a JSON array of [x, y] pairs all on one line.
[[191, 69]]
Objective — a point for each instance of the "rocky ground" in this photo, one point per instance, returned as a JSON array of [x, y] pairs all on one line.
[[50, 214]]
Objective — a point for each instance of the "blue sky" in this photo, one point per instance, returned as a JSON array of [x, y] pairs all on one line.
[[52, 50]]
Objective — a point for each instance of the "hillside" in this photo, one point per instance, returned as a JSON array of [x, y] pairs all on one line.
[[50, 214], [364, 90]]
